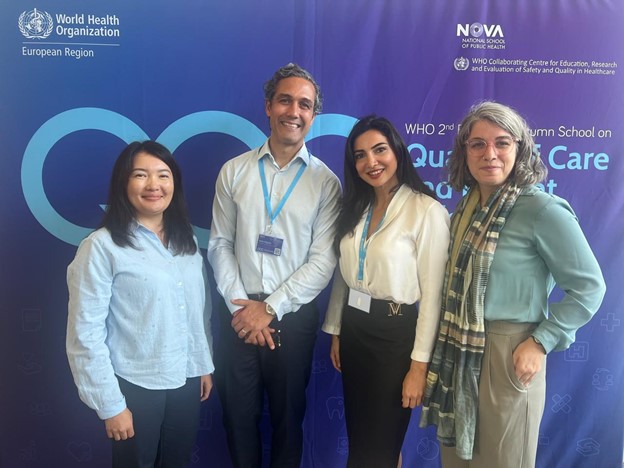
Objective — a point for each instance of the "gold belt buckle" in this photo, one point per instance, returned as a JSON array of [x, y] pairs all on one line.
[[394, 310]]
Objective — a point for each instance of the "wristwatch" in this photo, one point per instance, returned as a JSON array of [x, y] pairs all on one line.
[[270, 310], [539, 343]]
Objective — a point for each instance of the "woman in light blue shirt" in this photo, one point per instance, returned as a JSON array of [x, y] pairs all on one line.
[[138, 331]]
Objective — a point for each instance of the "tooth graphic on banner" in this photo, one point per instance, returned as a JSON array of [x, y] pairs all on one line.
[[335, 407], [93, 118]]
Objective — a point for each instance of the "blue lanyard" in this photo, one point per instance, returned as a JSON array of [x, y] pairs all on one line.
[[363, 246], [265, 190]]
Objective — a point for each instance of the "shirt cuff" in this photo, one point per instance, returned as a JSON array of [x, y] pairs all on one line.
[[234, 295], [331, 329], [420, 356], [112, 410], [278, 301], [547, 340]]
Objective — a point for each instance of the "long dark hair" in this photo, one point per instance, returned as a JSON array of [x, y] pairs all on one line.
[[120, 214], [358, 195]]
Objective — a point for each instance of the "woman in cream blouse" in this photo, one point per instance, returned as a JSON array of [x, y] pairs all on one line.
[[392, 239]]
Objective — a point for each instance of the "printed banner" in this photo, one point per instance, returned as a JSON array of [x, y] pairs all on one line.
[[81, 79]]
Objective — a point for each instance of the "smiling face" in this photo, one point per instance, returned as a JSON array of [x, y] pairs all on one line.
[[150, 189], [490, 155], [291, 113], [375, 161]]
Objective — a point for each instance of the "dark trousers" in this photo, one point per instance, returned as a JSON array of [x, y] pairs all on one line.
[[165, 426], [375, 351], [244, 372]]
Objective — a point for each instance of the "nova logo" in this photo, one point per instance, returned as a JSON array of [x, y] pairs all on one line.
[[477, 30]]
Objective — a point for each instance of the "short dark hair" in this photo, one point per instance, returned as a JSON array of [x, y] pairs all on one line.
[[528, 168], [120, 214], [292, 70], [358, 195]]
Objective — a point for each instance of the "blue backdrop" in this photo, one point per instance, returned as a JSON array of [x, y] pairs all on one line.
[[78, 79]]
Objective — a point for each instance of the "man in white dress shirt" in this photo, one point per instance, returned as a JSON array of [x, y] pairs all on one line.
[[271, 251]]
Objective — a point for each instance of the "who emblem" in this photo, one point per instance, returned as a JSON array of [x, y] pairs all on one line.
[[35, 24], [461, 63]]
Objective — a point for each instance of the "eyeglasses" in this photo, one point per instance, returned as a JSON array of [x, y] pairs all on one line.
[[502, 145]]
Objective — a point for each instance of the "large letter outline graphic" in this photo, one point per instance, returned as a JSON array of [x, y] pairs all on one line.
[[91, 118]]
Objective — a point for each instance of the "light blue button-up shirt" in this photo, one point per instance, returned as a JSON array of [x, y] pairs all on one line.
[[142, 314], [306, 223]]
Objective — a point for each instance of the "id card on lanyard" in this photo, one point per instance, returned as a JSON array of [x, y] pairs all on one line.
[[266, 242], [358, 299]]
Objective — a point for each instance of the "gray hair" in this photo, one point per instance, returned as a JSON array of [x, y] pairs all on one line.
[[528, 168], [292, 70]]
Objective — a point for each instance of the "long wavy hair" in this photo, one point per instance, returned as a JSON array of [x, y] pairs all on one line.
[[120, 214], [358, 195]]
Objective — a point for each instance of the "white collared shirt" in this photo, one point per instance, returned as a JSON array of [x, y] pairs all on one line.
[[404, 263], [306, 223]]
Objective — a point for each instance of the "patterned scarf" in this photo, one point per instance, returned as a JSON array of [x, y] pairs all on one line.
[[451, 396]]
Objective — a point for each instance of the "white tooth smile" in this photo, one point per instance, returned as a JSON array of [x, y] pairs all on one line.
[[376, 172]]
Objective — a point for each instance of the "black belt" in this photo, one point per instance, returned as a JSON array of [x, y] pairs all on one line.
[[391, 308], [260, 297]]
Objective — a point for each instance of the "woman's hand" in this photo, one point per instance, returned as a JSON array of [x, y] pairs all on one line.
[[528, 359], [206, 386], [334, 352], [414, 384], [120, 427]]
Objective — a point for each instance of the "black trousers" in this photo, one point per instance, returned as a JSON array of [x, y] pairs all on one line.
[[244, 372], [375, 351], [165, 426]]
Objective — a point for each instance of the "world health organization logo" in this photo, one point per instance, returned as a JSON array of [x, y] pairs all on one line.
[[461, 63], [35, 24]]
